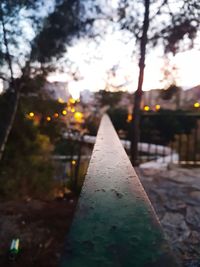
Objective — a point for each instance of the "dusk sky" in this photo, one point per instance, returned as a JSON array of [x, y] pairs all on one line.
[[94, 64]]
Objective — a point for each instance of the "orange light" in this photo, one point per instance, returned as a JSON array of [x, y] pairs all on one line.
[[31, 114], [72, 110], [146, 108], [157, 107], [72, 101], [64, 112], [73, 162], [196, 105], [78, 116], [48, 118], [56, 115], [129, 118]]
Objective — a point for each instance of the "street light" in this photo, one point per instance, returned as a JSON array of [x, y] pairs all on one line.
[[157, 107], [146, 108], [196, 105], [129, 118], [64, 112], [72, 101], [78, 116], [31, 114], [73, 162]]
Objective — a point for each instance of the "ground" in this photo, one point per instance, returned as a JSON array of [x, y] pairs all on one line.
[[175, 196], [41, 227]]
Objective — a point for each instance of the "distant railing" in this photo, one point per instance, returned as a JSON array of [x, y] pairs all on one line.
[[178, 132], [114, 224]]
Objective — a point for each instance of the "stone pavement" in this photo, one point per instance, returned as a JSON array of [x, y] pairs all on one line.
[[175, 195]]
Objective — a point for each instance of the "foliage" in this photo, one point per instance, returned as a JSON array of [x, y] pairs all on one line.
[[109, 98], [119, 118], [15, 17], [58, 29], [168, 93], [170, 22], [161, 127], [92, 124], [26, 168], [42, 109], [65, 147]]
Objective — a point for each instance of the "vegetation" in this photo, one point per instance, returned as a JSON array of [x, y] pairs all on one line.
[[162, 127], [26, 142], [60, 24], [26, 168], [159, 127], [119, 118]]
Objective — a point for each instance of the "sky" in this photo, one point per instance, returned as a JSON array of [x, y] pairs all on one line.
[[95, 62]]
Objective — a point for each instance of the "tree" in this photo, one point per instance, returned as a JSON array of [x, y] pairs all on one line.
[[49, 42], [26, 168], [10, 13], [138, 94], [181, 23], [171, 91]]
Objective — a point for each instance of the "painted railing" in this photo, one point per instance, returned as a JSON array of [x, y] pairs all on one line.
[[114, 224]]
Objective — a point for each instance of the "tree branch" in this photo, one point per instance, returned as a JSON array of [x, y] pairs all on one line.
[[8, 57]]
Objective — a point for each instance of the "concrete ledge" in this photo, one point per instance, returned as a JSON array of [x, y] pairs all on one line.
[[114, 224]]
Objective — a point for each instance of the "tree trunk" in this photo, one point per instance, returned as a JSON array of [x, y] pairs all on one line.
[[14, 101], [5, 40], [14, 93], [135, 133]]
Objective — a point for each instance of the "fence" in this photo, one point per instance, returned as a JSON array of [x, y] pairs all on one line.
[[175, 137]]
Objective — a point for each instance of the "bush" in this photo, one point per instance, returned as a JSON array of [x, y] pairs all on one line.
[[26, 168]]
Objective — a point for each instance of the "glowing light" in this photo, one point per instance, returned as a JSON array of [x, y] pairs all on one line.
[[31, 114], [56, 115], [146, 108], [73, 162], [60, 100], [48, 118], [157, 107], [78, 116], [72, 110], [64, 112], [72, 100], [196, 105], [129, 118]]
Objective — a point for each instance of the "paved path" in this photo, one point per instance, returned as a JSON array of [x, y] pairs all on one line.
[[175, 195]]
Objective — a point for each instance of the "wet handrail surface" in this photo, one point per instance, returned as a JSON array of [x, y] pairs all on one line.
[[114, 224]]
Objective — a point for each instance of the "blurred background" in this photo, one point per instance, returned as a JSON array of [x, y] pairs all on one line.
[[64, 63]]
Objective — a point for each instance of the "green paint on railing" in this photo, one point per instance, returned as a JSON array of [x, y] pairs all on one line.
[[115, 224]]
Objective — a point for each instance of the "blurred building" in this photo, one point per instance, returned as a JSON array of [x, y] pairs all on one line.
[[58, 90], [87, 97], [183, 99]]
